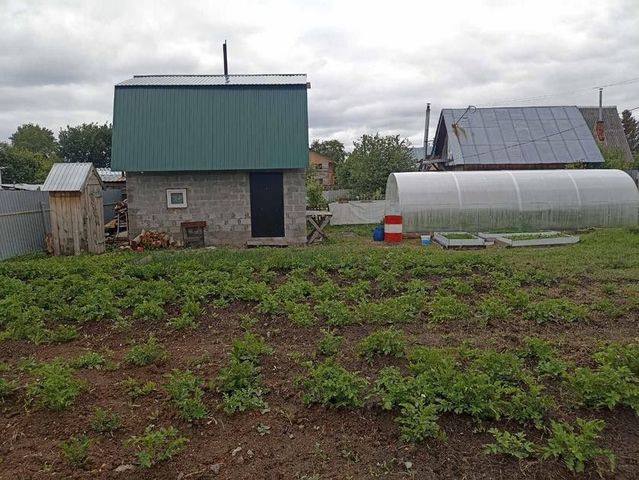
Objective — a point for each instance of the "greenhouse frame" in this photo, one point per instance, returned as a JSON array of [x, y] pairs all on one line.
[[518, 200]]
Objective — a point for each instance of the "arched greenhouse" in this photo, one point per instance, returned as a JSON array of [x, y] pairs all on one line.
[[524, 200]]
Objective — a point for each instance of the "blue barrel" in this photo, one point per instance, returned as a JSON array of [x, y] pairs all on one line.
[[378, 234]]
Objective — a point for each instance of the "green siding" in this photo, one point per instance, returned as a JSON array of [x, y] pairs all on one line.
[[209, 128]]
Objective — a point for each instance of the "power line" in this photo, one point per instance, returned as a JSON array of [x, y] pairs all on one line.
[[566, 92]]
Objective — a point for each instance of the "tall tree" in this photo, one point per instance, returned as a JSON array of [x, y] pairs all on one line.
[[88, 142], [333, 149], [35, 139], [631, 128], [374, 157], [20, 165]]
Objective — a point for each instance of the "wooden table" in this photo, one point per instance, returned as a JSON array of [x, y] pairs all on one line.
[[317, 221]]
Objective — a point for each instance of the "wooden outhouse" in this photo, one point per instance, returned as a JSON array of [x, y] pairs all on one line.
[[77, 213]]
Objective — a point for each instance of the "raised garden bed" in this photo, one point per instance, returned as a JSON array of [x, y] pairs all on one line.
[[531, 239], [459, 240]]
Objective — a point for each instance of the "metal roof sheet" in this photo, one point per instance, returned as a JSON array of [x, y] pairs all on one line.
[[519, 135], [213, 80], [67, 177], [108, 175]]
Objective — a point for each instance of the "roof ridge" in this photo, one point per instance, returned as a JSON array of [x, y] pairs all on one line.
[[168, 75]]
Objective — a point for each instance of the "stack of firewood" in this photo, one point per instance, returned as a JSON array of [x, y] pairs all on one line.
[[153, 240]]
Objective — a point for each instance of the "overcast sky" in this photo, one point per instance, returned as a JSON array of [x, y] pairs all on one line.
[[373, 65]]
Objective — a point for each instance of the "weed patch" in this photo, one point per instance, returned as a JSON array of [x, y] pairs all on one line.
[[157, 445]]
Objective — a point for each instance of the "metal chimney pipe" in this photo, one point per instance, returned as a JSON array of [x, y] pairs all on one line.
[[600, 118], [226, 64], [426, 125]]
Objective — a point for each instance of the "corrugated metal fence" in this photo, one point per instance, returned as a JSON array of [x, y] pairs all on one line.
[[25, 220]]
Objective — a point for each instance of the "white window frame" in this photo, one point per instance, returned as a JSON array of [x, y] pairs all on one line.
[[170, 191]]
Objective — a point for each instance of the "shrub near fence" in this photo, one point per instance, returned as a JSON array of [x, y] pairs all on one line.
[[25, 220]]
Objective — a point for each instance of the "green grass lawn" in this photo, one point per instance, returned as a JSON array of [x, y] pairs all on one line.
[[179, 357]]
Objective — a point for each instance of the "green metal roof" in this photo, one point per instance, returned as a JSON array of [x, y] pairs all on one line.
[[163, 126]]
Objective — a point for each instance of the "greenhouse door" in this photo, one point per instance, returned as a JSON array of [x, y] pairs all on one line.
[[267, 204]]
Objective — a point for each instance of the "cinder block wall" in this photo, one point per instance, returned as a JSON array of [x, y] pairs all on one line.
[[221, 199]]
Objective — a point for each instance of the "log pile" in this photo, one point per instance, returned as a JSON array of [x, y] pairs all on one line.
[[153, 240]]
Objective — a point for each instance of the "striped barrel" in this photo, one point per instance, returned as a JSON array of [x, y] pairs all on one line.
[[393, 228]]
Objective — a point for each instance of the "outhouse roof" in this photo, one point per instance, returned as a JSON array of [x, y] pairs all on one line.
[[68, 177]]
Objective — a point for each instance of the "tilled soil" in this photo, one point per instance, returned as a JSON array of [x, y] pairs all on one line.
[[301, 442]]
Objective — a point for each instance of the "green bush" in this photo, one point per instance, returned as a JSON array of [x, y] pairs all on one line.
[[388, 342], [249, 398], [146, 353], [331, 385], [444, 308], [105, 420], [329, 343], [186, 393], [577, 449], [157, 445], [557, 311], [55, 386], [241, 385], [418, 422], [512, 444], [392, 389], [76, 450]]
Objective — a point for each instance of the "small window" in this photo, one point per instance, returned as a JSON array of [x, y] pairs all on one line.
[[176, 198]]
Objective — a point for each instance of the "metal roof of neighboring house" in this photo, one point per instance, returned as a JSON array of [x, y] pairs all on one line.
[[418, 152], [67, 177], [21, 186], [515, 135], [214, 80], [108, 175], [614, 134]]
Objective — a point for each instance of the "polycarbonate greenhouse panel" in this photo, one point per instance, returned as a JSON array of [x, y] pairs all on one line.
[[518, 200]]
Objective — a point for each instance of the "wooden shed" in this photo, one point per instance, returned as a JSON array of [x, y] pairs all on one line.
[[77, 215]]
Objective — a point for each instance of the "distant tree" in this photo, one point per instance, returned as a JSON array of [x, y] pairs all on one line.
[[36, 139], [374, 157], [88, 142], [615, 158], [631, 128], [333, 149], [20, 165], [314, 192]]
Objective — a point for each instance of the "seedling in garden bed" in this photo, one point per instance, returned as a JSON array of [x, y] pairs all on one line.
[[186, 392], [105, 420], [157, 445], [512, 444], [89, 360], [445, 308], [55, 386], [76, 450], [577, 449], [250, 348], [389, 342], [331, 385], [146, 353], [557, 311], [136, 390], [418, 422], [329, 343]]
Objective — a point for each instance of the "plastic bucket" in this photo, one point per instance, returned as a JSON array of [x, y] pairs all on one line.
[[426, 240], [378, 233], [393, 228]]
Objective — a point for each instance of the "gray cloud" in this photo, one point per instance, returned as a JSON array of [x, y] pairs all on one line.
[[372, 65]]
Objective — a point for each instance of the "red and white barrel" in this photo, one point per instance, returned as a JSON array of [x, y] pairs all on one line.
[[393, 228]]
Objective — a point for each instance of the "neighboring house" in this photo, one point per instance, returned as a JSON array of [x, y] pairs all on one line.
[[225, 154], [323, 167], [417, 154], [613, 132], [510, 138], [112, 179]]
